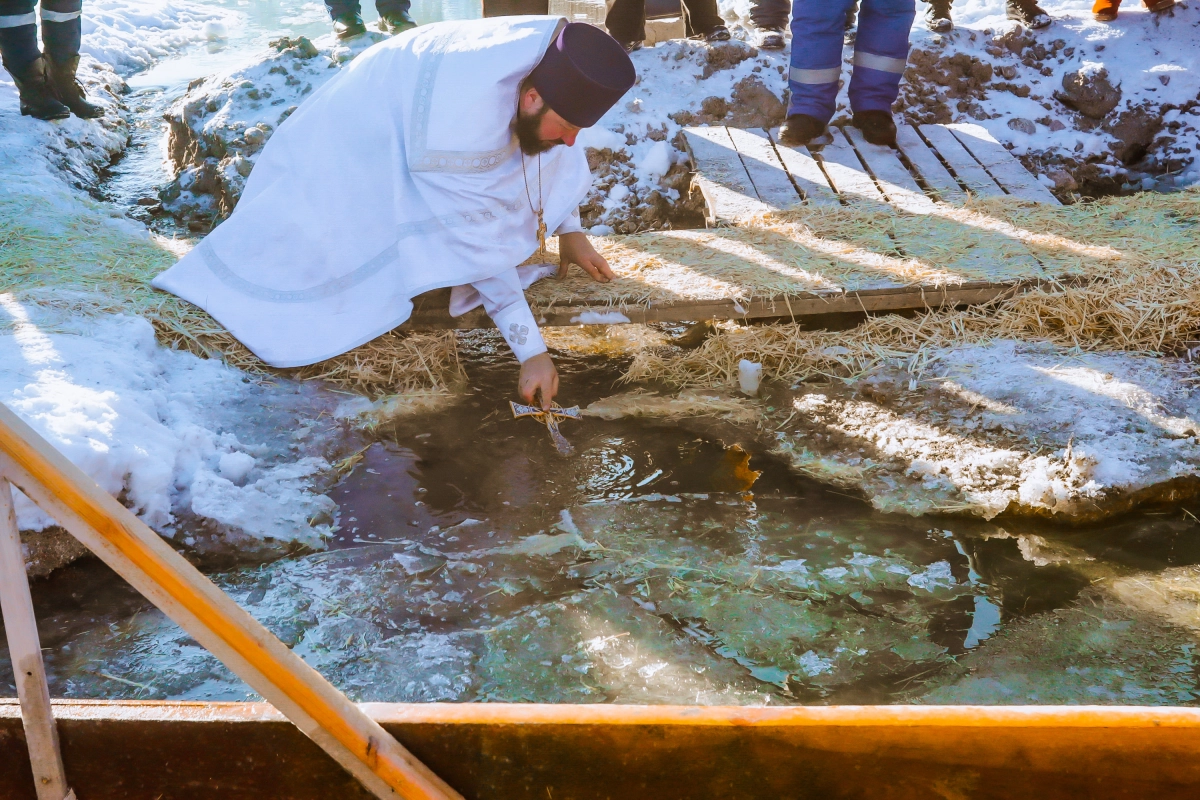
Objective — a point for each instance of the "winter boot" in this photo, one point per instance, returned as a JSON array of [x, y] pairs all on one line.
[[718, 34], [800, 129], [1028, 13], [348, 25], [1105, 10], [38, 98], [1155, 6], [877, 127], [70, 90], [937, 16], [771, 39], [396, 22]]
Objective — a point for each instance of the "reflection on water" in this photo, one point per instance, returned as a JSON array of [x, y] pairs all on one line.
[[659, 566]]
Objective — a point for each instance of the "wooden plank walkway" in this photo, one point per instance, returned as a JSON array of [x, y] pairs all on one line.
[[744, 174]]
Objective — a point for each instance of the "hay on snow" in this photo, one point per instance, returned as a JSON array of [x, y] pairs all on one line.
[[1142, 258], [108, 268]]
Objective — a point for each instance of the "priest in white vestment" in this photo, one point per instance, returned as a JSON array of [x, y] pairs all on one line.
[[438, 158]]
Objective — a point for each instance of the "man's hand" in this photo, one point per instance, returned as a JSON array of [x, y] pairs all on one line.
[[538, 373], [574, 248]]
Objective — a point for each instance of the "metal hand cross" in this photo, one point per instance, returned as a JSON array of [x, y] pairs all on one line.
[[550, 419]]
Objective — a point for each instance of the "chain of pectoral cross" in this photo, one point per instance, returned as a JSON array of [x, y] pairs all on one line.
[[540, 210]]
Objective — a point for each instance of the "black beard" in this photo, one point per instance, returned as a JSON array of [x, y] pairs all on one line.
[[527, 133]]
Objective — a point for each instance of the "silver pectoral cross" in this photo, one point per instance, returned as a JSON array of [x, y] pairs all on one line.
[[550, 419]]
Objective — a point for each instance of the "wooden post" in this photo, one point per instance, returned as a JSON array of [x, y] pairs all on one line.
[[221, 626], [25, 651]]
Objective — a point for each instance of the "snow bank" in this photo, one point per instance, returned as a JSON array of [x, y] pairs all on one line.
[[1007, 428], [218, 127], [130, 35], [140, 420]]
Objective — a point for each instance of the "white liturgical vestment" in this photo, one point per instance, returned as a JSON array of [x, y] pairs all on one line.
[[399, 176]]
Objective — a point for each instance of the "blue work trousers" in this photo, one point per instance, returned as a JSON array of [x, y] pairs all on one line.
[[880, 54], [61, 29]]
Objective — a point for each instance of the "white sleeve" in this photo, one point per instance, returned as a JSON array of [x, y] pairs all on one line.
[[505, 303], [570, 224]]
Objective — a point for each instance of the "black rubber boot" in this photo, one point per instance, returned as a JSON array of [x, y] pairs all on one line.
[[937, 16], [38, 98], [69, 90], [877, 127], [1027, 12], [800, 129], [348, 25], [396, 22]]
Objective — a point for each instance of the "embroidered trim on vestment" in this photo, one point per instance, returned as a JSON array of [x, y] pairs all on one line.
[[351, 279], [422, 159]]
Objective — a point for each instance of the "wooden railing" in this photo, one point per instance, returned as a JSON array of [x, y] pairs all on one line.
[[141, 557]]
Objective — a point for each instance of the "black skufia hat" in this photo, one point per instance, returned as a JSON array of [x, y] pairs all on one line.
[[583, 74]]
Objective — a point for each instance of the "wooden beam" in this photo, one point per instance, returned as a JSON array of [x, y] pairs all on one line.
[[722, 177], [141, 750], [1001, 164], [798, 306], [165, 578], [25, 652], [962, 163], [770, 179]]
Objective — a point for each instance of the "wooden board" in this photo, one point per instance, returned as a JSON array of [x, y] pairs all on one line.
[[965, 167], [806, 173], [1008, 172], [897, 183], [429, 315], [766, 171], [724, 181], [845, 171], [928, 166], [518, 751]]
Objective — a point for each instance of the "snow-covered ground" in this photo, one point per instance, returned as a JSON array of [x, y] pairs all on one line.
[[130, 35], [223, 464], [1008, 427], [1093, 109]]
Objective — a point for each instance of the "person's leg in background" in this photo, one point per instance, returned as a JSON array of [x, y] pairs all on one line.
[[394, 16], [816, 67], [937, 16], [626, 22], [880, 56], [62, 29], [25, 63], [347, 18], [704, 20], [770, 17]]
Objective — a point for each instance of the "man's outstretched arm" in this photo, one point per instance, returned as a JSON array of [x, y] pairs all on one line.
[[505, 303]]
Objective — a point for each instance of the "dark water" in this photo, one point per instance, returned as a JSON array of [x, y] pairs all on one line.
[[657, 564]]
